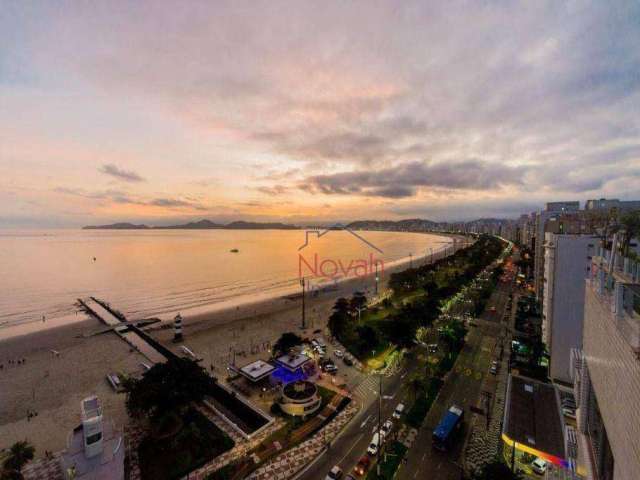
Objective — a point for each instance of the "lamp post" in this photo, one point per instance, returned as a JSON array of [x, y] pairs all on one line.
[[302, 283]]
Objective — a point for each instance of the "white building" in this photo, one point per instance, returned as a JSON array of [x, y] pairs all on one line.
[[606, 371], [567, 260], [551, 210]]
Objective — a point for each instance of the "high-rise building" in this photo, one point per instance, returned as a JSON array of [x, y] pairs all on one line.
[[551, 210], [606, 371], [609, 203], [567, 262]]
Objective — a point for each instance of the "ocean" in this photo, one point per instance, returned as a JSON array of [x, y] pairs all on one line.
[[158, 273]]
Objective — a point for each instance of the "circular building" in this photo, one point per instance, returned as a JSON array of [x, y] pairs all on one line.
[[300, 398]]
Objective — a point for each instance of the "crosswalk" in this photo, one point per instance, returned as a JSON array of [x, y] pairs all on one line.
[[368, 387]]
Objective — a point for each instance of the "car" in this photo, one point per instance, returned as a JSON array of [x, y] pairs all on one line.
[[363, 466], [397, 413], [539, 466], [338, 353], [374, 445], [349, 477], [569, 412], [330, 368], [334, 474], [494, 368], [314, 343], [347, 361], [386, 428], [433, 347]]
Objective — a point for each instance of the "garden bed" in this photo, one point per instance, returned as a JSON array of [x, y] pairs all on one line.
[[196, 443]]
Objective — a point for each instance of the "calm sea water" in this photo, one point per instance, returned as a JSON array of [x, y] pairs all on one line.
[[159, 273]]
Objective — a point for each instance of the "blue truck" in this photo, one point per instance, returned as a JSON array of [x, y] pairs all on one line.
[[446, 430]]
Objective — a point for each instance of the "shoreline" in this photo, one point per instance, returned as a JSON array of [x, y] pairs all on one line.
[[238, 308], [53, 384]]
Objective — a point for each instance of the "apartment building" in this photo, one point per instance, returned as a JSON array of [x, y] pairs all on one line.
[[566, 266], [609, 203], [606, 371], [552, 209]]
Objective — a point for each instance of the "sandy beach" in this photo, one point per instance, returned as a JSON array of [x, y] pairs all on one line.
[[52, 385]]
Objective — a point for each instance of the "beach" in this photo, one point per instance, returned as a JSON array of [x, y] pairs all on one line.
[[52, 385]]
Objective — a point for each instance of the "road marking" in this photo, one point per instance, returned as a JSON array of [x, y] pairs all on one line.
[[352, 447], [365, 421]]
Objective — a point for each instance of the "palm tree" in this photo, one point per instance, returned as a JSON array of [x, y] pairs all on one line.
[[20, 454]]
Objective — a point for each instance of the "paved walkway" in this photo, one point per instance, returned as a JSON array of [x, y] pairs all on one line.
[[289, 463]]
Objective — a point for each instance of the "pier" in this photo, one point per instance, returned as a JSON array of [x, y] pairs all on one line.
[[129, 332]]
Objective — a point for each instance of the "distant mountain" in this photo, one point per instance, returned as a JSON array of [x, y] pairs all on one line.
[[240, 225], [409, 225], [199, 225], [116, 226]]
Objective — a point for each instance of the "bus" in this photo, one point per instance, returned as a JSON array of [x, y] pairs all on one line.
[[446, 430]]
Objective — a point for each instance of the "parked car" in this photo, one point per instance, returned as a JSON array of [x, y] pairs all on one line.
[[386, 428], [397, 413], [539, 466], [374, 445], [347, 361], [363, 466], [494, 368], [330, 368], [433, 347], [338, 353], [334, 474]]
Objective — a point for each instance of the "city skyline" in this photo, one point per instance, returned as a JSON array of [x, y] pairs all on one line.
[[161, 113]]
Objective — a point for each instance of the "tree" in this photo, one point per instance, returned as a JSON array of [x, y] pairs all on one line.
[[495, 470], [631, 223], [167, 388], [358, 301], [285, 343], [20, 454]]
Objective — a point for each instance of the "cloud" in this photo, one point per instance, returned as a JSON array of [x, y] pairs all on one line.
[[120, 174], [273, 190], [404, 180], [122, 198]]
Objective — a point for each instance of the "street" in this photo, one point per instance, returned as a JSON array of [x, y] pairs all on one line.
[[462, 387]]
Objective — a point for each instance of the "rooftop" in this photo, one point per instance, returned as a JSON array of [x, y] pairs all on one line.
[[109, 465], [257, 370], [532, 416], [293, 362]]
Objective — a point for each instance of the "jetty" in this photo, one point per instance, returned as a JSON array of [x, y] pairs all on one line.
[[126, 330]]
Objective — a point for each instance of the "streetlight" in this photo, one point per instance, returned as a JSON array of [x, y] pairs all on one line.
[[377, 278], [302, 283]]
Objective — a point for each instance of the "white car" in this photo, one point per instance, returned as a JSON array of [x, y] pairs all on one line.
[[386, 428], [334, 474], [374, 445], [397, 413], [338, 353], [539, 466]]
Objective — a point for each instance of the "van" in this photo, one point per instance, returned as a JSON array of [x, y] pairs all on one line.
[[397, 413], [374, 445]]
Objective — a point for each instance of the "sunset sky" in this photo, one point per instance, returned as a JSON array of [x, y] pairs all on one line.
[[295, 111]]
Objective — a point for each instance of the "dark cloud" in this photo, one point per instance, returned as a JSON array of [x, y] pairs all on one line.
[[120, 174], [404, 180]]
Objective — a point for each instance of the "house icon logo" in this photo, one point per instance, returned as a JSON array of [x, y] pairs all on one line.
[[319, 233]]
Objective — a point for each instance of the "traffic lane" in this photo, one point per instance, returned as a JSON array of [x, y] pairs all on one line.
[[461, 389], [342, 450]]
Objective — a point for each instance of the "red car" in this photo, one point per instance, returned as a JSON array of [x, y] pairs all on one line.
[[363, 466]]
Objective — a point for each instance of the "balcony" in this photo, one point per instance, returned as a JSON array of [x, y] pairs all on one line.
[[619, 291]]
